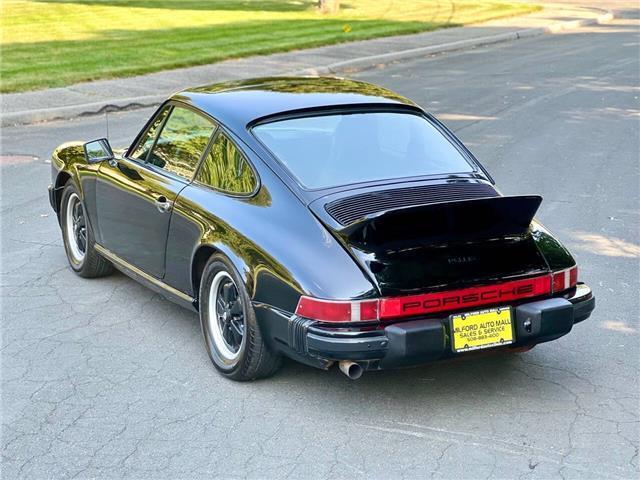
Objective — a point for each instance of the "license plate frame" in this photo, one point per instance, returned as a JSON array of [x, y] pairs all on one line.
[[474, 321]]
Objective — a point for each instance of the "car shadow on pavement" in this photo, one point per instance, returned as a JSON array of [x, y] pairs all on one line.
[[478, 374], [485, 370]]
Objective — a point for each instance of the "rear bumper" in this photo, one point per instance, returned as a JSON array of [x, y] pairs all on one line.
[[421, 341]]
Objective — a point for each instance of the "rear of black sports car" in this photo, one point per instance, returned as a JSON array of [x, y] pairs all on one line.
[[457, 266], [470, 273]]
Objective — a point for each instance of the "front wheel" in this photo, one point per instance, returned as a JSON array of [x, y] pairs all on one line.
[[231, 333], [78, 236]]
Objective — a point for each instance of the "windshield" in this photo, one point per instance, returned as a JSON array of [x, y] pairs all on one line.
[[340, 149]]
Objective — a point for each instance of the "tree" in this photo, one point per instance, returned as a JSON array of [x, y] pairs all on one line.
[[329, 6]]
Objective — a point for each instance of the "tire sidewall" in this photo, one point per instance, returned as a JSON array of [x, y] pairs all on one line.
[[69, 189], [218, 263]]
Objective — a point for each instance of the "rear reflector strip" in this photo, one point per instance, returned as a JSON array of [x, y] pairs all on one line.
[[428, 303], [464, 298]]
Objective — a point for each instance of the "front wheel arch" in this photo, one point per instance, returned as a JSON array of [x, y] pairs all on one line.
[[92, 264], [61, 180]]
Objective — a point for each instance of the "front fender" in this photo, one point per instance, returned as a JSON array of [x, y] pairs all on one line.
[[68, 162], [63, 161]]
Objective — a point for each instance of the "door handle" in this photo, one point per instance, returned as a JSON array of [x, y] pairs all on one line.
[[162, 204]]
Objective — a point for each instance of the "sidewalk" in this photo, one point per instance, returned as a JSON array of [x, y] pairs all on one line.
[[151, 89]]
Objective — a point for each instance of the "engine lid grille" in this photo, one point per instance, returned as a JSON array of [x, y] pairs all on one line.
[[347, 210]]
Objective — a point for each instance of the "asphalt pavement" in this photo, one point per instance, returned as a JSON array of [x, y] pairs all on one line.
[[105, 379]]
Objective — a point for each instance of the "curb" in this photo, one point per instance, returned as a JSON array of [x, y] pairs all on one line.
[[27, 117], [373, 60]]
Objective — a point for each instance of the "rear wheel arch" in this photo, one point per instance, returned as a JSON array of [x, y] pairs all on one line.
[[252, 358], [202, 255]]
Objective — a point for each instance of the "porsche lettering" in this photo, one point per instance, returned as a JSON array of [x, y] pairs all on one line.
[[470, 298]]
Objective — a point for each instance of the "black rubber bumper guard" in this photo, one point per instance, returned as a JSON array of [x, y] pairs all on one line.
[[420, 341], [52, 197]]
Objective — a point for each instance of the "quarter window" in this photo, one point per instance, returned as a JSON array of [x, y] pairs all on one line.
[[146, 142], [226, 169], [182, 140]]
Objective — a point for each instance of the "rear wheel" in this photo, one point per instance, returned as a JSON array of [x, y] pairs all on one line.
[[78, 237], [231, 333]]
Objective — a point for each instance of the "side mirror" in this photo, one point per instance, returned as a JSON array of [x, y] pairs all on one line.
[[98, 151]]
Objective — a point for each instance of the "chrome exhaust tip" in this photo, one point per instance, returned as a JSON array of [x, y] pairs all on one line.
[[351, 369]]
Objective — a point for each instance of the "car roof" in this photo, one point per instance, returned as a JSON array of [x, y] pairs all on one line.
[[239, 103], [242, 103]]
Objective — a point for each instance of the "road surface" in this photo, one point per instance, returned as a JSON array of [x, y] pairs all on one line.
[[105, 379]]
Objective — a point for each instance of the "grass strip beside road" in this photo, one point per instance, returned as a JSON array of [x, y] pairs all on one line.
[[53, 43]]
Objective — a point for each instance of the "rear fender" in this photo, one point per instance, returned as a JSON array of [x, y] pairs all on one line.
[[279, 248], [266, 279], [204, 251], [554, 252]]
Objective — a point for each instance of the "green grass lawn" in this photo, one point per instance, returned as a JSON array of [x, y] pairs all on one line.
[[49, 43]]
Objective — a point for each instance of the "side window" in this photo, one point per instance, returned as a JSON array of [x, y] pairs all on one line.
[[182, 140], [226, 169], [146, 142]]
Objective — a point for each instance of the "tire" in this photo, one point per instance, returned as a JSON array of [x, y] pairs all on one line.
[[81, 254], [231, 333]]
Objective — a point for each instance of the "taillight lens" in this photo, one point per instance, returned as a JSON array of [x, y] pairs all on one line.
[[565, 279], [337, 311]]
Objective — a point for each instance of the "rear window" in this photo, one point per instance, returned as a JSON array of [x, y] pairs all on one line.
[[340, 149]]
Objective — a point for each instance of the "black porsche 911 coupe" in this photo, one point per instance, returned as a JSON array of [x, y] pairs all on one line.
[[328, 220]]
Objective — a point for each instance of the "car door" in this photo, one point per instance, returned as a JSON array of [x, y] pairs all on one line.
[[135, 194]]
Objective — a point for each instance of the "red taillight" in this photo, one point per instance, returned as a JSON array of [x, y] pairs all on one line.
[[565, 279], [337, 311], [573, 276], [370, 310]]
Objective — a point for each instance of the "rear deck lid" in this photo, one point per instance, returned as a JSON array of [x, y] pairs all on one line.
[[441, 236]]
